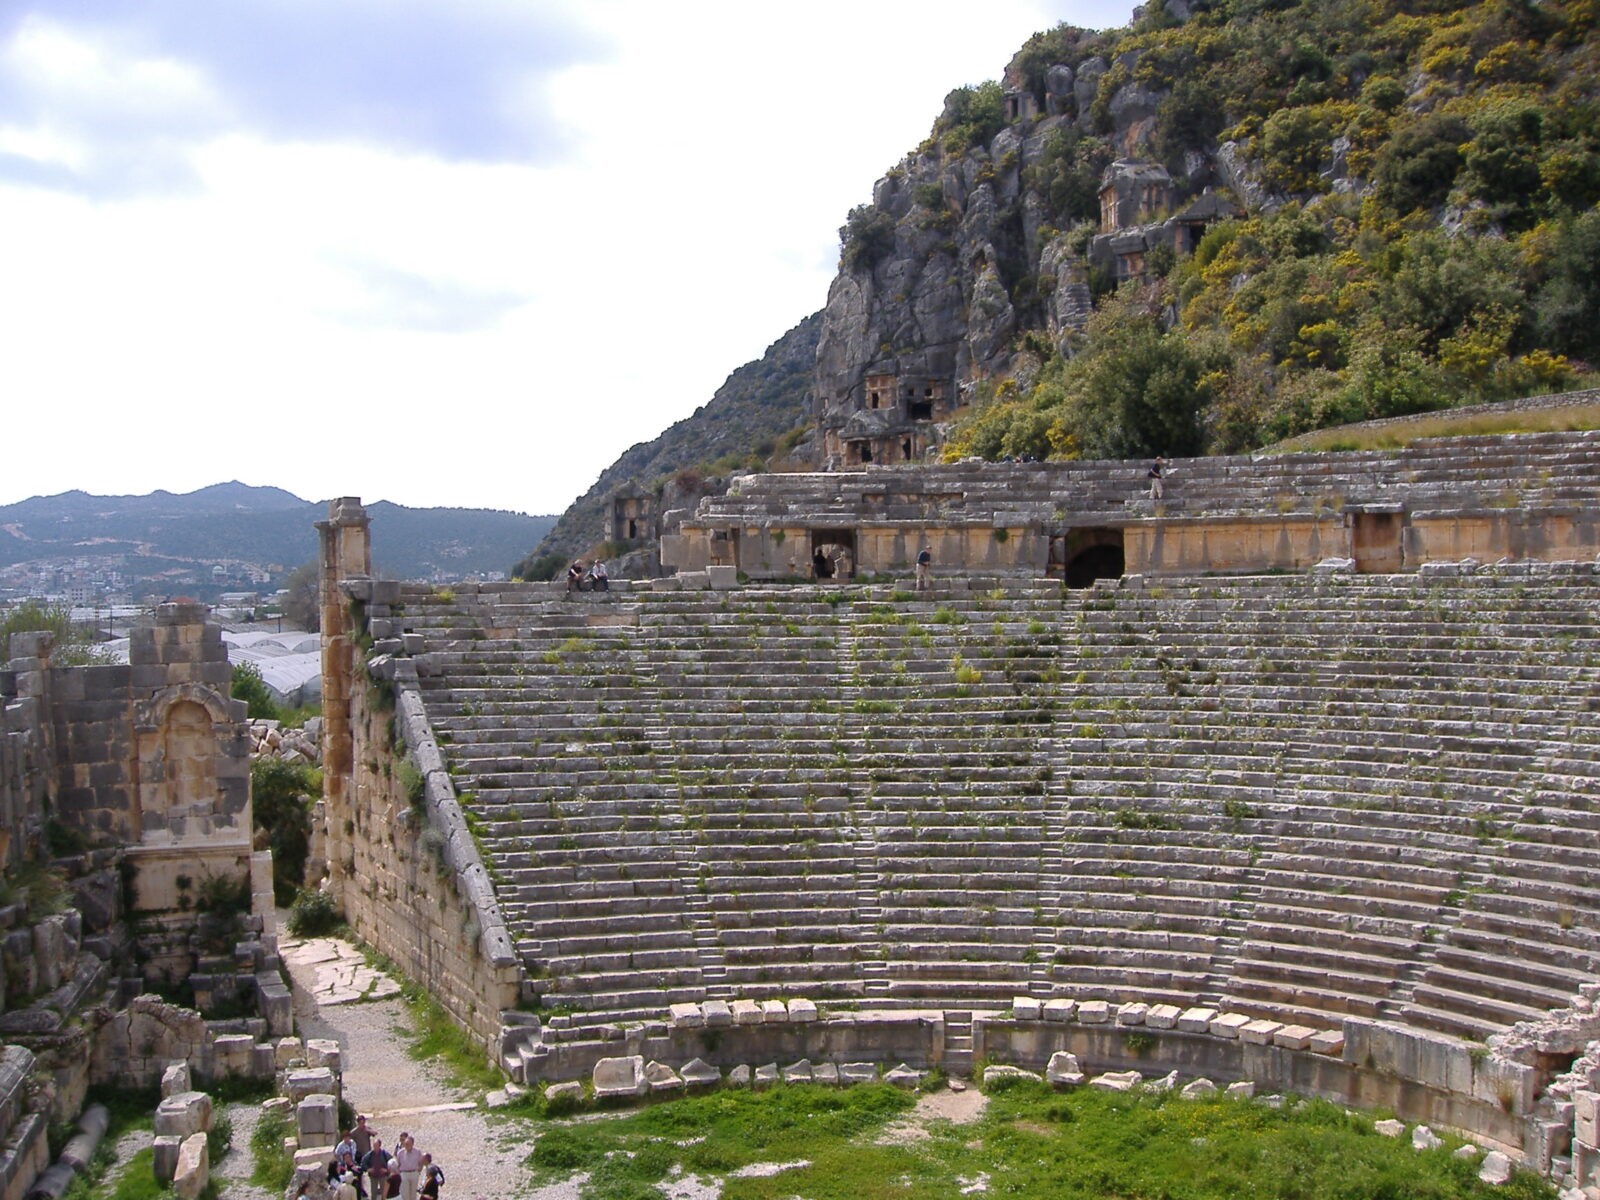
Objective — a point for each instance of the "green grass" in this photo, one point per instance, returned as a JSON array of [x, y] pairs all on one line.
[[273, 1166], [435, 1038], [1566, 418], [1031, 1143]]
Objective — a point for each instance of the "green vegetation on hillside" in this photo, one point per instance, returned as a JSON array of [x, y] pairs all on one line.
[[1031, 1142], [1463, 267], [74, 644]]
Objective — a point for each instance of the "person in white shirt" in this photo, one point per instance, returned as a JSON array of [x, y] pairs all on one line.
[[408, 1161]]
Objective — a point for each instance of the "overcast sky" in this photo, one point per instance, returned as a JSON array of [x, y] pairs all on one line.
[[440, 252]]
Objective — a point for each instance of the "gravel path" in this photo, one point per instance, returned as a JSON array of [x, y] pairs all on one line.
[[398, 1093]]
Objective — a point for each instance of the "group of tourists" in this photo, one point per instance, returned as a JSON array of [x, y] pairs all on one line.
[[365, 1169]]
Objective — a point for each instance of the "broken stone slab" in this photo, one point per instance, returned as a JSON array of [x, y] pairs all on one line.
[[774, 1010], [562, 1095], [1063, 1070], [802, 1011], [765, 1077], [717, 1013], [1165, 1084], [1196, 1088], [184, 1114], [80, 1148], [1423, 1138], [1196, 1020], [1244, 1089], [288, 1050], [620, 1076], [799, 1072], [1117, 1081], [175, 1079], [278, 1104], [698, 1073], [166, 1156], [662, 1078], [1259, 1032], [1094, 1012], [1058, 1010], [739, 1076], [745, 1012], [858, 1072], [903, 1077], [1389, 1128], [1467, 1151], [1132, 1014], [826, 1074], [1294, 1037], [1025, 1008], [1496, 1168], [1002, 1072], [685, 1016], [193, 1171], [1228, 1025], [52, 1183], [1162, 1016]]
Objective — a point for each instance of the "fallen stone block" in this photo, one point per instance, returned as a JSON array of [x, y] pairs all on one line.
[[739, 1076], [662, 1078], [1244, 1089], [193, 1171], [1496, 1168], [564, 1096], [1094, 1012], [1063, 1070], [309, 1081], [765, 1077], [1389, 1128], [1196, 1088], [1467, 1151], [1196, 1020], [799, 1072], [903, 1077], [858, 1072], [774, 1010], [288, 1050], [717, 1014], [1165, 1084], [826, 1074], [1117, 1081], [698, 1073], [802, 1011], [1025, 1008], [621, 1076], [324, 1052], [317, 1120], [52, 1183], [1002, 1073], [1423, 1138], [184, 1114]]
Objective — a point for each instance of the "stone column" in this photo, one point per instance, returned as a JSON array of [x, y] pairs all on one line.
[[346, 555]]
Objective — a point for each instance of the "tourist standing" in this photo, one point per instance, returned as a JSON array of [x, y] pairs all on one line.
[[361, 1135], [1157, 474], [377, 1168], [408, 1161], [432, 1178], [924, 568]]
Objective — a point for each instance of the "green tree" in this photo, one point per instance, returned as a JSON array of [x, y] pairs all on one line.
[[301, 602], [281, 795], [252, 689], [74, 645]]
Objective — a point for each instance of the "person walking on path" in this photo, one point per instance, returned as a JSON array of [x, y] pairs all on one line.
[[408, 1161], [924, 568]]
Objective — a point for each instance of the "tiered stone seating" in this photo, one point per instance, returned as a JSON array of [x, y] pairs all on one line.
[[951, 704], [1298, 796]]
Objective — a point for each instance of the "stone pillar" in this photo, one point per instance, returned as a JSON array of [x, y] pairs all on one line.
[[346, 555]]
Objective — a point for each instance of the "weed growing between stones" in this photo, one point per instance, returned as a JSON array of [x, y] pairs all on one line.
[[273, 1165]]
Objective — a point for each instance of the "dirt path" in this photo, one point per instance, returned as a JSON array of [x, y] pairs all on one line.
[[395, 1091]]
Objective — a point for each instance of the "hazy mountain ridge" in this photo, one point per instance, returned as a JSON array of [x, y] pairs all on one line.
[[266, 527]]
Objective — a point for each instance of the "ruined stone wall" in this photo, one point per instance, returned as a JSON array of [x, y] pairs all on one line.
[[25, 753], [402, 864]]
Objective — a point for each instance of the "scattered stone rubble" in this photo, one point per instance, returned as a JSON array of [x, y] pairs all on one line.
[[271, 739]]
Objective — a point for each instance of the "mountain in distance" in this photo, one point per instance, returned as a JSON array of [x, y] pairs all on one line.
[[751, 420], [165, 543]]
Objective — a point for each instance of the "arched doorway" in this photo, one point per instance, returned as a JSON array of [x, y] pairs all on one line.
[[1097, 562], [1081, 556]]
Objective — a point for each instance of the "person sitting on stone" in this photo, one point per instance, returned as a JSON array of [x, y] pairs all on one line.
[[598, 576], [575, 575]]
